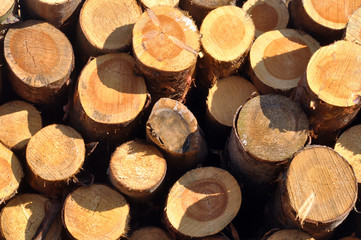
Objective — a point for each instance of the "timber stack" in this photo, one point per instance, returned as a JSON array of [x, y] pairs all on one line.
[[180, 119]]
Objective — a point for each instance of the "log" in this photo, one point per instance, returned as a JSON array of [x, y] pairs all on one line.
[[109, 99], [150, 233], [267, 15], [6, 9], [348, 145], [330, 91], [290, 234], [19, 121], [350, 238], [166, 46], [23, 215], [52, 11], [40, 60], [87, 214], [11, 174], [318, 191], [199, 9], [202, 202], [105, 26], [324, 20], [353, 29], [224, 98], [54, 155], [137, 169], [174, 129], [152, 3], [267, 131], [224, 51], [278, 60]]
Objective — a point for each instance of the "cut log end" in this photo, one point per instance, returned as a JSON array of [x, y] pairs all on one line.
[[137, 168], [11, 174], [226, 96], [267, 15], [278, 59], [320, 189], [106, 26], [150, 233], [23, 215], [202, 202], [333, 74], [353, 30], [87, 214], [272, 128], [289, 234], [6, 8], [19, 121], [40, 60], [152, 3], [349, 146], [54, 154]]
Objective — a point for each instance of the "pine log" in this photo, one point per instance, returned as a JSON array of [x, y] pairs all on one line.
[[96, 212], [227, 35], [150, 233], [11, 174], [6, 8], [23, 215], [19, 121], [278, 60], [349, 146], [353, 29], [53, 11], [325, 20], [174, 129], [199, 9], [109, 99], [166, 46], [330, 91], [288, 234], [202, 202], [54, 155], [267, 15], [137, 169], [318, 191], [40, 60], [152, 3], [267, 131], [223, 100], [106, 26]]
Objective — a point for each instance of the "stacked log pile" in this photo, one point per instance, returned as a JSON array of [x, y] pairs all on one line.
[[189, 119]]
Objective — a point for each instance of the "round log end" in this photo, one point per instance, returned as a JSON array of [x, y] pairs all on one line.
[[279, 59], [6, 8], [150, 233], [272, 128], [353, 30], [333, 74], [165, 39], [107, 25], [227, 33], [55, 153], [202, 202], [11, 174], [267, 15], [289, 234], [22, 216], [152, 3], [137, 168], [87, 214], [19, 121], [320, 189], [225, 97]]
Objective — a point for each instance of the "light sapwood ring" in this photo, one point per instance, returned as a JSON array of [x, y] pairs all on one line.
[[96, 212], [279, 58], [208, 198], [137, 168], [320, 190], [40, 60], [22, 216], [11, 173], [267, 15], [19, 121], [152, 3]]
